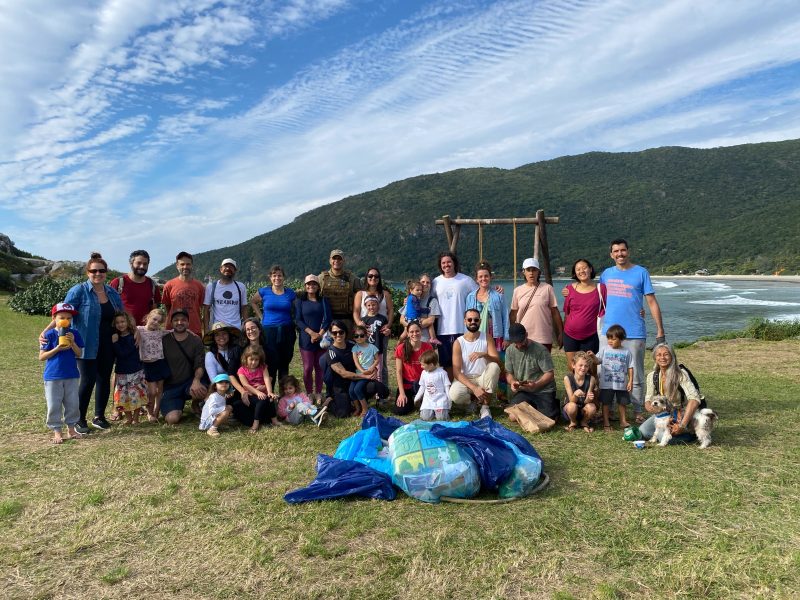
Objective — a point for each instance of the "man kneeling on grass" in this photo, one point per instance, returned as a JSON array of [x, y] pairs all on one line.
[[185, 356]]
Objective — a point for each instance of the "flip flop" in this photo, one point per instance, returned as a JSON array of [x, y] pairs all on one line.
[[571, 427]]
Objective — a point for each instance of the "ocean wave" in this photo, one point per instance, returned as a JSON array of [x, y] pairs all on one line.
[[739, 301], [788, 317], [665, 284]]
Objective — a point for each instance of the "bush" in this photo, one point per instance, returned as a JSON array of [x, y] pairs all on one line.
[[6, 283], [40, 297], [760, 329]]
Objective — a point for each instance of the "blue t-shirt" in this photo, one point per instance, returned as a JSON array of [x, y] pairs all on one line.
[[62, 365], [615, 364], [365, 354], [625, 292], [277, 308]]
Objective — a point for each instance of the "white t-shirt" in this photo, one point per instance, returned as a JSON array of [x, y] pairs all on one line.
[[226, 307], [433, 389], [452, 292]]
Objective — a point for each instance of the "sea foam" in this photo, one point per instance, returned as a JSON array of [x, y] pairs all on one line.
[[739, 301]]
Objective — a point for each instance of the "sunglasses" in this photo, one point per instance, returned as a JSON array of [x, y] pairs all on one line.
[[96, 271], [358, 336], [373, 276], [473, 320], [337, 332]]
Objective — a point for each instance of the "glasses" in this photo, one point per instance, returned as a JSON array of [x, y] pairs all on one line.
[[473, 320], [96, 271], [357, 336], [337, 332], [373, 276]]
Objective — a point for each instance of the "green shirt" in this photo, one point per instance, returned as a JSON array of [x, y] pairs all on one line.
[[530, 364]]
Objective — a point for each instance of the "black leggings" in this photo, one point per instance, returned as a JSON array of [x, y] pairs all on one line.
[[95, 375], [279, 348], [340, 407], [262, 411], [409, 406]]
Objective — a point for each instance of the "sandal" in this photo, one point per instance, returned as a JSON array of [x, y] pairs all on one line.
[[640, 419], [571, 427], [587, 428], [608, 428]]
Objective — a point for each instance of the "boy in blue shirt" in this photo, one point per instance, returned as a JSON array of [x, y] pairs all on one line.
[[62, 346]]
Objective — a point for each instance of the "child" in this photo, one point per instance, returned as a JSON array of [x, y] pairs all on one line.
[[255, 379], [415, 311], [580, 387], [294, 405], [616, 375], [434, 386], [377, 329], [130, 393], [151, 353], [365, 357], [216, 410], [60, 349]]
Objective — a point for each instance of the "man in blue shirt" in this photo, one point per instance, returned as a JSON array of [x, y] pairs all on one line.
[[627, 285]]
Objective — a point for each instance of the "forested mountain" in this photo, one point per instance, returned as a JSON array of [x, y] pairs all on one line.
[[730, 210]]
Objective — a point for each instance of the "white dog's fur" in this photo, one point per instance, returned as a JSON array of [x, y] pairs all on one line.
[[702, 424]]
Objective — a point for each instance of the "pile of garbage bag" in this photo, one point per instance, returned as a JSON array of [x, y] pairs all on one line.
[[427, 460]]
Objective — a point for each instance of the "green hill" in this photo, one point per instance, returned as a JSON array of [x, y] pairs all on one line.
[[730, 210]]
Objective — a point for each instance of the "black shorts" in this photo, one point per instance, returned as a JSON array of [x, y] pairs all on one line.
[[157, 370], [446, 349], [621, 396], [590, 343]]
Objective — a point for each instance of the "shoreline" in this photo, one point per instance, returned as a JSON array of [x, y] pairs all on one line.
[[775, 278]]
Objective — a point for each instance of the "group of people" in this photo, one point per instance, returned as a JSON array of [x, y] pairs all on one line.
[[460, 345]]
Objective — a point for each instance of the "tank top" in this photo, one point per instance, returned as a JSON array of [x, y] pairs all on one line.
[[381, 304], [475, 368], [584, 388]]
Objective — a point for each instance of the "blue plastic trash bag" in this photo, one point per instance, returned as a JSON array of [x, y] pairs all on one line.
[[490, 425], [524, 478], [365, 446], [339, 478], [426, 467], [385, 425], [494, 457]]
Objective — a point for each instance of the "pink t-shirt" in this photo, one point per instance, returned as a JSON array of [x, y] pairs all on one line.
[[534, 310], [254, 377], [581, 311]]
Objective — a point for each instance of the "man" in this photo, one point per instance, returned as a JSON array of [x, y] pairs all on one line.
[[185, 293], [529, 372], [476, 366], [140, 294], [534, 305], [226, 299], [184, 353], [626, 284], [339, 287], [451, 288]]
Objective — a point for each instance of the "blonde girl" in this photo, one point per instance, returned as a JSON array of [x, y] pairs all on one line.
[[130, 393], [151, 353], [581, 388]]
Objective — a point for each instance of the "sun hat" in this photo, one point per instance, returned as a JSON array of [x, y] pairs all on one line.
[[63, 307], [216, 328], [530, 263], [517, 333]]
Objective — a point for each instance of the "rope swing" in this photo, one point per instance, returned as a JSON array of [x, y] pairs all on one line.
[[514, 222], [480, 242]]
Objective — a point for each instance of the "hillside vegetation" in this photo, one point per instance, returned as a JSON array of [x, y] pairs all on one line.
[[730, 210]]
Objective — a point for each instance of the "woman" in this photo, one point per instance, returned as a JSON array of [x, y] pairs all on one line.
[[224, 356], [253, 336], [273, 305], [585, 301], [668, 379], [427, 301], [491, 305], [373, 286], [96, 303], [312, 313], [408, 368], [343, 372], [534, 305]]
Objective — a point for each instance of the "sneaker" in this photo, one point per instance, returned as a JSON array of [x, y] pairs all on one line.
[[81, 427], [213, 432], [485, 412], [101, 423]]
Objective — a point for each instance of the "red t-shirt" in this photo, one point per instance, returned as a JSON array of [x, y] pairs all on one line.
[[187, 295], [412, 369], [138, 298]]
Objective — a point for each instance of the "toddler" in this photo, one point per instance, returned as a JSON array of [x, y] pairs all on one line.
[[130, 392], [60, 349], [216, 409], [415, 311], [294, 405], [616, 375], [434, 386], [365, 357]]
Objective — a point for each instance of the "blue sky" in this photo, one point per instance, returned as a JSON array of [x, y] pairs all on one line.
[[196, 124]]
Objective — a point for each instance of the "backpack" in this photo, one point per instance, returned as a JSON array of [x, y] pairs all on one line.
[[213, 302], [692, 378]]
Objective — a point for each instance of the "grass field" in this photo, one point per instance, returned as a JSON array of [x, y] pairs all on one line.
[[168, 512]]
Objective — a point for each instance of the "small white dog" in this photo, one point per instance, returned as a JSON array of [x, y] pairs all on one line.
[[703, 422]]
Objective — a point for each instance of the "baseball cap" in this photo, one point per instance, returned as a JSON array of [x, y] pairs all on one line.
[[530, 263]]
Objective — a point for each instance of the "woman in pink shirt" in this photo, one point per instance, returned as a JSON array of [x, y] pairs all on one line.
[[585, 301]]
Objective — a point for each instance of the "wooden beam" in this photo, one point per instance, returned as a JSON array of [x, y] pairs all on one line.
[[456, 235], [448, 231], [542, 231], [520, 221]]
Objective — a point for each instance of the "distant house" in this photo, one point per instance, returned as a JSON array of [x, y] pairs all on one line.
[[701, 272], [561, 270]]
